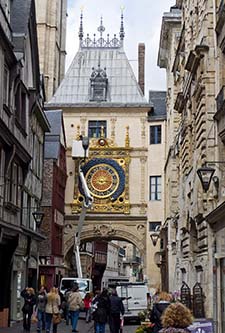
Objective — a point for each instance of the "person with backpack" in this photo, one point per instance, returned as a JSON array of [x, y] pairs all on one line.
[[102, 311], [163, 301]]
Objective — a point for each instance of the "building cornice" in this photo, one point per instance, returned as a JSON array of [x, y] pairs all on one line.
[[172, 18], [216, 217]]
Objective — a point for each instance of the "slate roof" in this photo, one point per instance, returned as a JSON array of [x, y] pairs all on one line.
[[53, 139], [20, 15], [123, 89], [157, 100]]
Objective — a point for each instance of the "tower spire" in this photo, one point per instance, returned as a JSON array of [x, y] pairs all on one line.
[[122, 33], [81, 32]]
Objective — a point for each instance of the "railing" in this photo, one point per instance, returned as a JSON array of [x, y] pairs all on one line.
[[100, 257], [132, 259]]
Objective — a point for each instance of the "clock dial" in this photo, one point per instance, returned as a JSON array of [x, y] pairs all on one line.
[[105, 178], [102, 180]]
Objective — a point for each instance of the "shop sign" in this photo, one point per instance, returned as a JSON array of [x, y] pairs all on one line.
[[59, 218], [201, 326]]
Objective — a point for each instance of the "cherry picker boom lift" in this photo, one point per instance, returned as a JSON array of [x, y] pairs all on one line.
[[87, 203]]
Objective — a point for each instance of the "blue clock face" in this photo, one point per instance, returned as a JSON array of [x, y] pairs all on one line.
[[105, 178]]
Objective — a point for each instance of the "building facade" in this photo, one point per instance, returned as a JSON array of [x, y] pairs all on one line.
[[194, 224], [101, 98], [51, 27], [156, 162], [51, 267], [23, 125]]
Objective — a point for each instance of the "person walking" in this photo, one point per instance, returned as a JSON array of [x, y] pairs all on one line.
[[52, 308], [27, 309], [116, 310], [102, 311], [75, 303], [159, 307], [40, 307], [176, 319], [87, 307]]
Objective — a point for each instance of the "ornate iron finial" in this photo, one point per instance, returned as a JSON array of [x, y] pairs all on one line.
[[78, 132], [101, 42], [81, 32], [122, 33], [101, 28], [127, 139]]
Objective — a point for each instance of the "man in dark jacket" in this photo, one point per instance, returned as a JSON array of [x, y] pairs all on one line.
[[116, 309], [158, 309]]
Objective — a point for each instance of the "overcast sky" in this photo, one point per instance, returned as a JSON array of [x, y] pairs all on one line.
[[142, 24]]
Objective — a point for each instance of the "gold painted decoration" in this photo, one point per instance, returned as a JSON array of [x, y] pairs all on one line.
[[107, 175]]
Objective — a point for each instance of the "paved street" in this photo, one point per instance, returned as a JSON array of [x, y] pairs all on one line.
[[62, 328]]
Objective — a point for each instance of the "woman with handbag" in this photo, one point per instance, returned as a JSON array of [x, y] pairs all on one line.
[[52, 310], [27, 309], [75, 303]]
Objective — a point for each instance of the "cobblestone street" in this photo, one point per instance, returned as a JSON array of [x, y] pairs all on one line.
[[63, 328]]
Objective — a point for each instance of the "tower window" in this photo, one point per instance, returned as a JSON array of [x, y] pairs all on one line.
[[96, 127], [98, 85]]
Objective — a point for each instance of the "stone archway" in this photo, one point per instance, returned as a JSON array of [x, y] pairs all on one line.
[[131, 231]]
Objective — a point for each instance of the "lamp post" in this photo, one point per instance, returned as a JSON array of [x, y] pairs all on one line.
[[38, 217]]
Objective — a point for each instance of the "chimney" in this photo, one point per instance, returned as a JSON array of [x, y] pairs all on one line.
[[141, 66]]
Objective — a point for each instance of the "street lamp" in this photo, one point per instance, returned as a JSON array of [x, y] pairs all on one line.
[[154, 238], [85, 145], [205, 175], [38, 217]]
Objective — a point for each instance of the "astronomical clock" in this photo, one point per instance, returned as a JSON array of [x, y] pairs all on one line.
[[107, 175]]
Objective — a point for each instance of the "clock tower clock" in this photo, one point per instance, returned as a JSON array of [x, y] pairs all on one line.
[[107, 177]]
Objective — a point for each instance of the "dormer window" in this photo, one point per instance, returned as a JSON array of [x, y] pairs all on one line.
[[99, 85]]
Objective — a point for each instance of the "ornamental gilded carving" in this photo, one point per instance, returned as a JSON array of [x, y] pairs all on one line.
[[107, 175], [104, 230]]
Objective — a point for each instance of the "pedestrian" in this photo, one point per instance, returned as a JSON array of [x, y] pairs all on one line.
[[94, 305], [102, 311], [87, 307], [27, 309], [75, 304], [176, 319], [163, 301], [52, 310], [116, 310], [40, 308]]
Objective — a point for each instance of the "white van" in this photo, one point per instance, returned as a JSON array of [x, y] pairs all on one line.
[[135, 298], [85, 285]]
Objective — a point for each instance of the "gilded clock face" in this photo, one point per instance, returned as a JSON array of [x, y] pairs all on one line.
[[102, 180]]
